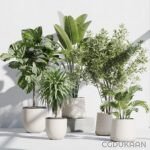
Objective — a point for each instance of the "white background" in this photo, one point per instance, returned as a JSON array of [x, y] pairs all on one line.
[[20, 14]]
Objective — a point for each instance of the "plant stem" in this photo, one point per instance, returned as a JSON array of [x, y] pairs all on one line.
[[55, 114], [33, 96]]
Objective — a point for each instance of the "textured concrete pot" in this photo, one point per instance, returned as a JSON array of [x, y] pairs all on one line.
[[75, 108], [81, 125], [56, 128], [34, 119], [103, 124], [123, 130]]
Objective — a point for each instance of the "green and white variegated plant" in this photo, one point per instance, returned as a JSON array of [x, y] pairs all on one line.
[[55, 89], [30, 56], [124, 105], [70, 36]]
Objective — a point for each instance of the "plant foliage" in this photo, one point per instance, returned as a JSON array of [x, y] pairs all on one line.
[[30, 56], [112, 62], [123, 106], [54, 89], [70, 37]]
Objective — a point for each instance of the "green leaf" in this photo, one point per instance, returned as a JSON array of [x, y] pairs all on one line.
[[34, 68], [22, 82], [38, 31], [5, 56], [82, 29], [140, 103], [32, 35], [28, 35], [71, 29], [14, 65], [63, 37], [81, 19]]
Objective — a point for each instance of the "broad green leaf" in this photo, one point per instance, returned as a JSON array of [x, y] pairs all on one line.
[[71, 29], [22, 82], [82, 28], [81, 19], [63, 37]]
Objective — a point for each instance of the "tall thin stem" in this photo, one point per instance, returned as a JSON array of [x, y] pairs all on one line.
[[33, 98]]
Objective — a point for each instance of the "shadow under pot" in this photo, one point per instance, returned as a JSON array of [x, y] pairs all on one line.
[[74, 108], [34, 119], [123, 130], [56, 128], [103, 124]]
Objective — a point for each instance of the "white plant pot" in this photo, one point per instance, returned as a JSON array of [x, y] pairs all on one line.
[[123, 130], [74, 108], [34, 119], [103, 124], [56, 128]]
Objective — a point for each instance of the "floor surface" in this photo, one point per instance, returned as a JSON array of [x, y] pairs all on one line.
[[18, 139]]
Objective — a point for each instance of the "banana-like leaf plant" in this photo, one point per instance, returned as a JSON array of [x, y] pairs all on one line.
[[55, 89], [70, 36], [124, 105], [30, 56]]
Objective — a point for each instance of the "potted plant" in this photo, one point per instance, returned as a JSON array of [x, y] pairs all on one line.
[[70, 36], [123, 127], [29, 57], [110, 63], [54, 91]]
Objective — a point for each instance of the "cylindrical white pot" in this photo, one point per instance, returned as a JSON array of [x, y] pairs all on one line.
[[56, 128], [123, 130], [74, 108], [103, 124], [34, 119]]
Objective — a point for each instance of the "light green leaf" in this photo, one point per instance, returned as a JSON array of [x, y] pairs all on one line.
[[63, 37], [71, 29]]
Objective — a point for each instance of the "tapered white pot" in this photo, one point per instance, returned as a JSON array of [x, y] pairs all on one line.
[[123, 130], [34, 119], [56, 128], [74, 108], [103, 124]]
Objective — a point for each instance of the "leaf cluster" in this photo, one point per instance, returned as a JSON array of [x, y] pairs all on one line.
[[55, 88], [124, 105], [30, 56]]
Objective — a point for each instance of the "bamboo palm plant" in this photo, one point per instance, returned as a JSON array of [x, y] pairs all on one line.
[[112, 62], [70, 36], [30, 56]]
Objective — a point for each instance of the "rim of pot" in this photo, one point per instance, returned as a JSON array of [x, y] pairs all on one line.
[[103, 113], [59, 118], [35, 107], [78, 97], [123, 119]]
